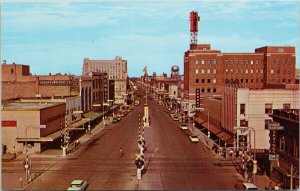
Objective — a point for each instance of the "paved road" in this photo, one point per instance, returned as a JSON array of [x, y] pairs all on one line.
[[173, 161]]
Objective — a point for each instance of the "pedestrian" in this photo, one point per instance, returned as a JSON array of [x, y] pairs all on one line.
[[121, 152]]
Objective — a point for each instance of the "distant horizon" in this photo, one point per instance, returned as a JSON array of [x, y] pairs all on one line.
[[55, 37]]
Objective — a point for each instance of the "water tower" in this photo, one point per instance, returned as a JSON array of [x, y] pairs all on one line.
[[174, 71]]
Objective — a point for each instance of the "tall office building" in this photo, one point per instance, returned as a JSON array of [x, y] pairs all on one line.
[[116, 70]]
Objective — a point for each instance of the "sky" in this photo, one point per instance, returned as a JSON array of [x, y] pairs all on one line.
[[55, 37]]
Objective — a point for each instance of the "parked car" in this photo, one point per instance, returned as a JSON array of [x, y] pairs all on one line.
[[175, 118], [245, 186], [115, 119], [78, 185], [184, 127], [194, 138]]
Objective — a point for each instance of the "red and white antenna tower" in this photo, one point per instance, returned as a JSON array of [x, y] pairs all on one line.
[[194, 18]]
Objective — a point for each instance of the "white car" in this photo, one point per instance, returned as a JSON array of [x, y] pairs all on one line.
[[78, 185], [194, 138], [175, 118], [184, 127], [245, 186]]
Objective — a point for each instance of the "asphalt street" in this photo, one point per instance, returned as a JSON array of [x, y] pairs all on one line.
[[172, 161]]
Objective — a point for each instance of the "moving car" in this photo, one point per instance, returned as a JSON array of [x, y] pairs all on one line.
[[245, 186], [78, 185], [194, 138], [184, 127]]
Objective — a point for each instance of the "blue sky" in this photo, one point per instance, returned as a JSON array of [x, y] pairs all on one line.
[[56, 36]]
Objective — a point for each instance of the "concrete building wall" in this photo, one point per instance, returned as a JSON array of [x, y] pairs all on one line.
[[26, 118], [255, 103]]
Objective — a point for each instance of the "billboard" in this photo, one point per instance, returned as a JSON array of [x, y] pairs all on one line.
[[194, 18]]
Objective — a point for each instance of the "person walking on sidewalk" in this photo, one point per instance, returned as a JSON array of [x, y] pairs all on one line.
[[121, 152]]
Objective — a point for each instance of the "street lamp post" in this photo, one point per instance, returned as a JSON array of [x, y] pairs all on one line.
[[27, 163], [254, 153]]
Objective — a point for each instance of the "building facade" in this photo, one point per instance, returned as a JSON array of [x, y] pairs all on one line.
[[36, 123], [115, 69], [245, 107], [208, 70]]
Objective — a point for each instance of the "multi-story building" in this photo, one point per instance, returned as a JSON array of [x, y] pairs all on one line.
[[287, 147], [37, 124], [17, 82], [115, 69], [208, 70]]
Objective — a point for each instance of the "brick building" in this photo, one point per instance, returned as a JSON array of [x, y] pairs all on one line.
[[115, 69], [208, 70]]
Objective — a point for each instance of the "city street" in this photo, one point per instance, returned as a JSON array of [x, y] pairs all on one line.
[[175, 163]]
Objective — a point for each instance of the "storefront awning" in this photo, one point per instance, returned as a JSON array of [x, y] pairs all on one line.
[[91, 115], [224, 136], [78, 123], [212, 128], [199, 120]]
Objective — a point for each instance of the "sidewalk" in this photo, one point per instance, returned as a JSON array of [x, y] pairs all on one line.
[[261, 181], [57, 153]]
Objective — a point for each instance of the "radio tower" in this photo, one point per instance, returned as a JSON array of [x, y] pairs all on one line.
[[194, 18]]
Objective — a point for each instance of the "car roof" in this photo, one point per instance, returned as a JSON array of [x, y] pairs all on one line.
[[77, 182], [249, 185]]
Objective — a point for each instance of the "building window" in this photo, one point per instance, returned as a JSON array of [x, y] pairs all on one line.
[[273, 61], [236, 61], [267, 121], [268, 108], [256, 61], [272, 71], [246, 61], [226, 71], [256, 71], [203, 80], [11, 71], [289, 71], [278, 71], [261, 71], [215, 71], [286, 106], [196, 62], [208, 90], [202, 90], [251, 80], [251, 62], [214, 80], [283, 71], [241, 61], [243, 123], [242, 80], [231, 71], [196, 71], [283, 80], [215, 90], [202, 61], [246, 80], [202, 71], [256, 80], [242, 71], [237, 71], [208, 80], [246, 71], [289, 80], [251, 71], [231, 61], [197, 80], [215, 61], [272, 80], [208, 71], [208, 61], [242, 108]]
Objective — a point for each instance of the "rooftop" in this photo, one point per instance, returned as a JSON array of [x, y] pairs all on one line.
[[26, 106]]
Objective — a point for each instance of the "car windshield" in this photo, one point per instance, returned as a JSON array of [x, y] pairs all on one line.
[[194, 136]]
